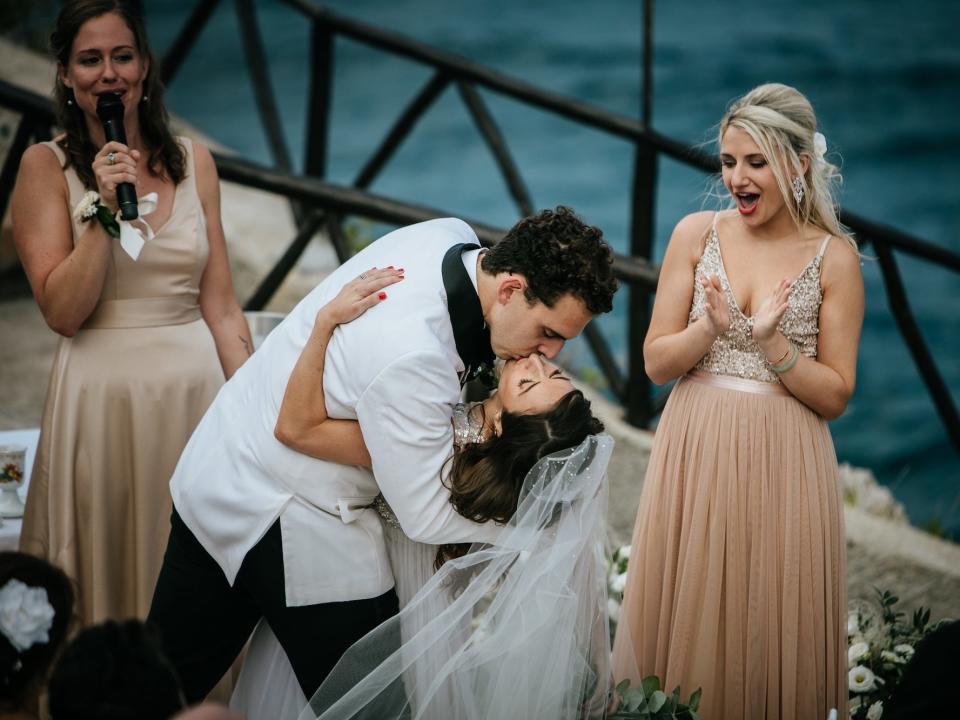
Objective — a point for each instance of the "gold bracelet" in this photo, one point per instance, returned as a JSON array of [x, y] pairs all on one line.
[[780, 369], [782, 357]]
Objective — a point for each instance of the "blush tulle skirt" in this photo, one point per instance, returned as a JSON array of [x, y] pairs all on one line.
[[736, 580]]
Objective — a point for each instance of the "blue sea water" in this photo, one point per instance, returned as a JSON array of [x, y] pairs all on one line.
[[884, 78]]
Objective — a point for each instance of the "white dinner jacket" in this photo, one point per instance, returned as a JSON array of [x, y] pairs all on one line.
[[395, 369]]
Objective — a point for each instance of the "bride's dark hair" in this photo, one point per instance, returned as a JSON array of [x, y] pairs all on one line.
[[486, 478]]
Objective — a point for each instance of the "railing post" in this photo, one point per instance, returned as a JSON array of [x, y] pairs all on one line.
[[639, 403], [318, 111]]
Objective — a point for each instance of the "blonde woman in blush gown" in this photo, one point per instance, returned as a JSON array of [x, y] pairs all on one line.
[[736, 581]]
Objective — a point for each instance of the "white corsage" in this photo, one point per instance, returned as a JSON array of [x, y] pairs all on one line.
[[87, 207], [132, 238], [819, 145], [26, 615]]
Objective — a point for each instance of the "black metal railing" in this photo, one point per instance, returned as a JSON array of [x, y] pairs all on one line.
[[318, 204]]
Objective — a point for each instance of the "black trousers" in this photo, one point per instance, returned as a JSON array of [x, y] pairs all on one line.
[[204, 622]]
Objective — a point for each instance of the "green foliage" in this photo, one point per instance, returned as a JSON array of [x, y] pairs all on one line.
[[648, 702]]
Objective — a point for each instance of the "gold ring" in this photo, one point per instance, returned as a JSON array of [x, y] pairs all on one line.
[[111, 158]]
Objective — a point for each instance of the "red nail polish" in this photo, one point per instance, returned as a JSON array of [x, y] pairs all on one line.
[[382, 296]]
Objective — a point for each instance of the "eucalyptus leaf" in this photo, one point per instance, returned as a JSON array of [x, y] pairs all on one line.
[[650, 685], [657, 700]]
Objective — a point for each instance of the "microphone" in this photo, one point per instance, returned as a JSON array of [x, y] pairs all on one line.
[[110, 112]]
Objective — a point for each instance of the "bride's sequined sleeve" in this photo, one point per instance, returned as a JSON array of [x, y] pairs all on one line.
[[467, 428]]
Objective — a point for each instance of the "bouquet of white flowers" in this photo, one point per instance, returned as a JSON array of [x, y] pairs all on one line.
[[880, 645]]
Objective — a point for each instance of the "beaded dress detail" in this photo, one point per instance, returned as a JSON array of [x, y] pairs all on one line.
[[735, 352], [467, 428]]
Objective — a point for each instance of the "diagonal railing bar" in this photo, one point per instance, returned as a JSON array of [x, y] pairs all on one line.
[[184, 42], [494, 139], [900, 309], [608, 363], [19, 143], [401, 129], [265, 98], [278, 273], [341, 244]]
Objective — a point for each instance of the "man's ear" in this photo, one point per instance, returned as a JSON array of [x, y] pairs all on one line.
[[507, 285]]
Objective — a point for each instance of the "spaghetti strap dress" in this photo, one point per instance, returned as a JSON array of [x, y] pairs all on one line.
[[125, 394], [736, 580]]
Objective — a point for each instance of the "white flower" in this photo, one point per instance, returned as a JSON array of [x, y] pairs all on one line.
[[905, 650], [861, 679], [622, 553], [853, 623], [618, 582], [613, 610], [26, 615], [857, 651], [875, 711], [819, 145], [892, 657], [87, 207]]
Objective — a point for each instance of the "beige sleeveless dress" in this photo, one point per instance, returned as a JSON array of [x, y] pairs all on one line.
[[736, 579], [125, 395]]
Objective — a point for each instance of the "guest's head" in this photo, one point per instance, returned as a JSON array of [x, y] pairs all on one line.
[[551, 273], [769, 149], [36, 608], [926, 689], [115, 671], [101, 47]]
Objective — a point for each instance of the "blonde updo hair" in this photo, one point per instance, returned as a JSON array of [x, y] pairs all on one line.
[[781, 121]]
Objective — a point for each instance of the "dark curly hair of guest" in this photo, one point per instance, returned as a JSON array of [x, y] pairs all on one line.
[[166, 156], [486, 478], [23, 673], [559, 255], [115, 671]]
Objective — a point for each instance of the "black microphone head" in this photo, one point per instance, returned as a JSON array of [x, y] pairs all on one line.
[[109, 106]]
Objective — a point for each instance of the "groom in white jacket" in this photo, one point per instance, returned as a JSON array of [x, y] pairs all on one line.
[[259, 530]]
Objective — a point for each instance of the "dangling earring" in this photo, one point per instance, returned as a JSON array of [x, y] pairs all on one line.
[[798, 189]]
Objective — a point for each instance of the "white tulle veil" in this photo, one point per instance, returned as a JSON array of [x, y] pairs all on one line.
[[514, 630]]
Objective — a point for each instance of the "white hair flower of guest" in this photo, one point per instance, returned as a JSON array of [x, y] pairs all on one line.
[[26, 615], [819, 145]]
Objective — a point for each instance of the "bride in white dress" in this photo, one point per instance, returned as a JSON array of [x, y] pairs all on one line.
[[517, 629]]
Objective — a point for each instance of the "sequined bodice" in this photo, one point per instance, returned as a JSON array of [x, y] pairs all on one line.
[[735, 352], [467, 428]]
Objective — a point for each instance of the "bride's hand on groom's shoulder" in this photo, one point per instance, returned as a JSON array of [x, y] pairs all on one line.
[[359, 295]]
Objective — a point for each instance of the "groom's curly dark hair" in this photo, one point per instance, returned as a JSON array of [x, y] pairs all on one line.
[[558, 254]]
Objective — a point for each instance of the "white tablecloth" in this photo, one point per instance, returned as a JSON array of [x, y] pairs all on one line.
[[10, 530]]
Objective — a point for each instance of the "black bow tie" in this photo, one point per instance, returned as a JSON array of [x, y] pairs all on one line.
[[470, 333]]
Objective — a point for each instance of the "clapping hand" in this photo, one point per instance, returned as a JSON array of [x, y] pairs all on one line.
[[716, 305], [767, 316], [360, 294]]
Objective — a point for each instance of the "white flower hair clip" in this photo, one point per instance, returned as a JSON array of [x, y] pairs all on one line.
[[819, 145], [26, 615]]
